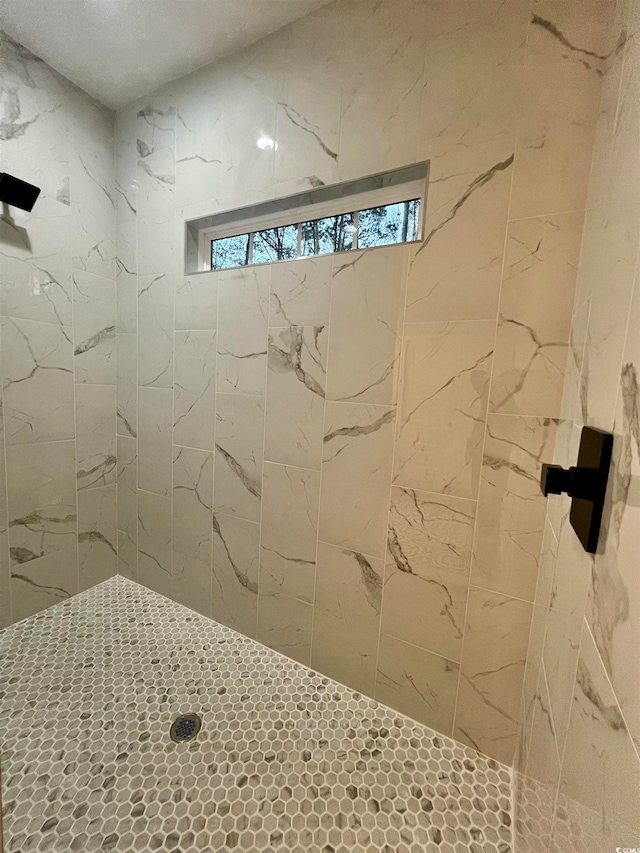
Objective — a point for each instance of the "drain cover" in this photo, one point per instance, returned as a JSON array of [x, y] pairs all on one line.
[[185, 727]]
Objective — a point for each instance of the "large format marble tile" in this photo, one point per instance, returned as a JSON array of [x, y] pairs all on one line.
[[43, 582], [95, 435], [194, 387], [156, 213], [289, 532], [97, 535], [236, 557], [196, 302], [419, 684], [239, 449], [155, 408], [493, 660], [300, 292], [427, 570], [94, 328], [155, 125], [347, 616], [127, 556], [601, 767], [155, 331], [37, 373], [356, 473], [367, 306], [93, 212], [444, 395], [544, 759], [382, 87], [191, 528], [536, 303], [127, 483], [562, 72], [199, 139], [511, 507], [284, 624], [154, 542], [41, 491], [36, 263], [243, 308], [296, 383], [127, 385]]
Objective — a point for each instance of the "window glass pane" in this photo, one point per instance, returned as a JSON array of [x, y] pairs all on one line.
[[393, 223], [275, 244], [230, 252], [333, 234]]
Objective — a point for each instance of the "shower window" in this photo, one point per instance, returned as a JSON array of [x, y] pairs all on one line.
[[377, 211]]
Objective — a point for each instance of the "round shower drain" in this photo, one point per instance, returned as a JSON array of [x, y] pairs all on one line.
[[185, 727]]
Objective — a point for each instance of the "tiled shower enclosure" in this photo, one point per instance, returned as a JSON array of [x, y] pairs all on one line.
[[302, 498]]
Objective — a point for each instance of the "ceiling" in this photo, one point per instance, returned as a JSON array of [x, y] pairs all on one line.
[[120, 50]]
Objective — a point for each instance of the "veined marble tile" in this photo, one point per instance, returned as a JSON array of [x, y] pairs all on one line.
[[284, 624], [617, 235], [289, 532], [511, 507], [94, 328], [419, 684], [472, 83], [493, 661], [191, 519], [296, 383], [196, 304], [544, 760], [37, 368], [563, 65], [95, 435], [367, 305], [93, 213], [601, 768], [127, 556], [347, 616], [444, 394], [578, 827], [239, 450], [155, 409], [41, 491], [382, 68], [199, 139], [97, 535], [307, 124], [127, 384], [236, 556], [243, 306], [5, 562], [40, 583], [35, 131], [427, 570], [154, 542], [356, 474], [127, 486], [194, 389], [536, 306], [300, 292], [464, 208], [36, 263], [155, 125], [156, 213], [155, 331], [126, 299]]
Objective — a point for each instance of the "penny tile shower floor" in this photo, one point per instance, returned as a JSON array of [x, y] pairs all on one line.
[[286, 760]]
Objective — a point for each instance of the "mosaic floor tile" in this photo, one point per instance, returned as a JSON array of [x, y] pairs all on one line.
[[286, 759]]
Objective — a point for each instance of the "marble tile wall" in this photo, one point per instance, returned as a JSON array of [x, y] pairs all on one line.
[[58, 517], [578, 754], [340, 456]]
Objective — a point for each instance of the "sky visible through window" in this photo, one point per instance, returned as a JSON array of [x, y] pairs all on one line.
[[376, 226]]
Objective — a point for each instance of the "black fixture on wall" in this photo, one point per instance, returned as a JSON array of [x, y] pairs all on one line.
[[17, 193], [586, 484]]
